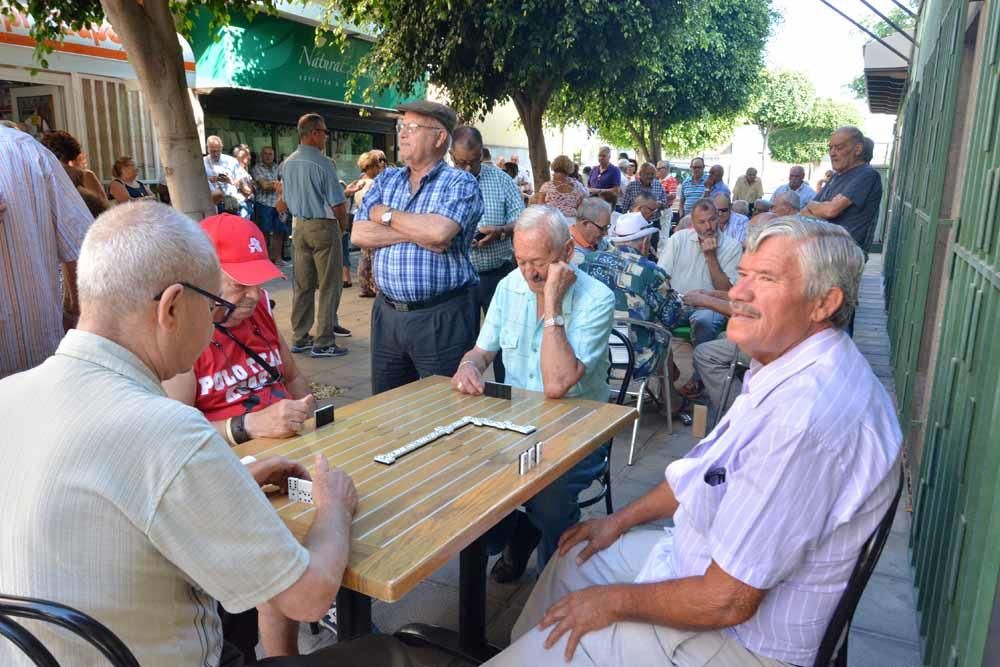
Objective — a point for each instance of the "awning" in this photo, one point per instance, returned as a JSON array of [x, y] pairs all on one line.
[[886, 73], [276, 55]]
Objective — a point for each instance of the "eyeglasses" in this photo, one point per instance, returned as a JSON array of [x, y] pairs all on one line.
[[603, 228], [722, 210], [221, 309], [407, 128], [323, 130], [465, 164]]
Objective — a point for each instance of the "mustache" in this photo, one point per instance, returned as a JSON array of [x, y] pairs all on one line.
[[246, 303], [743, 308]]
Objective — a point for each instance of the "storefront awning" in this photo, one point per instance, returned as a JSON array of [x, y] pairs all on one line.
[[276, 55], [886, 73]]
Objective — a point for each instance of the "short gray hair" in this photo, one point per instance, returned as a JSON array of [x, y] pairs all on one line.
[[828, 255], [310, 122], [705, 204], [722, 195], [741, 206], [591, 207], [548, 218], [854, 134], [790, 197], [134, 251]]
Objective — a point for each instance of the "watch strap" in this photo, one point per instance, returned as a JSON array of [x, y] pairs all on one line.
[[239, 430]]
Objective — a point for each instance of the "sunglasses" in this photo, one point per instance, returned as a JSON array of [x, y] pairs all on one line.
[[221, 309]]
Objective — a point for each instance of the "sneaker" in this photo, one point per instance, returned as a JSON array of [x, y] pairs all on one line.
[[329, 620], [329, 351], [341, 331], [304, 345]]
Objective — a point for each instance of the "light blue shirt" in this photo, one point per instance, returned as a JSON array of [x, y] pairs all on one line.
[[311, 186], [512, 324], [805, 193]]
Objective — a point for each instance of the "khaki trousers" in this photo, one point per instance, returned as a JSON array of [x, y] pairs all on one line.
[[318, 263], [632, 644]]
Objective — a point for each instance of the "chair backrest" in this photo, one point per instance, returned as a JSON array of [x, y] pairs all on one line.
[[840, 623], [660, 334], [77, 622], [618, 343]]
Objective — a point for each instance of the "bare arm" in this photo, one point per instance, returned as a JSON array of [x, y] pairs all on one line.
[[710, 248], [92, 183], [429, 230], [468, 378], [71, 302], [118, 192], [827, 210], [368, 234], [561, 370], [712, 299]]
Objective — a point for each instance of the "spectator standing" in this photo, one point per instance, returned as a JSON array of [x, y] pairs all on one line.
[[245, 184], [524, 181], [371, 163], [563, 191], [604, 177], [424, 317], [693, 187], [224, 175], [67, 149], [311, 189], [627, 170], [797, 183], [714, 184], [125, 186], [266, 175], [667, 181], [748, 186], [43, 221], [646, 183]]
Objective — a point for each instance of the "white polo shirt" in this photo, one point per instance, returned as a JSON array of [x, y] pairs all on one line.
[[683, 259]]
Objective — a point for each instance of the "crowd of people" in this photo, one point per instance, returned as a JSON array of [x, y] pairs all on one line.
[[127, 385]]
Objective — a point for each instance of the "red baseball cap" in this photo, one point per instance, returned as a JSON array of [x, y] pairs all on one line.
[[241, 248]]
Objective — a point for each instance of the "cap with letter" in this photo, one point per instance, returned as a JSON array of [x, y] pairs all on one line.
[[241, 248]]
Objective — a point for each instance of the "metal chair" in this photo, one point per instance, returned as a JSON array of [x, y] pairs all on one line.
[[620, 345], [659, 369], [833, 648], [98, 635], [737, 369]]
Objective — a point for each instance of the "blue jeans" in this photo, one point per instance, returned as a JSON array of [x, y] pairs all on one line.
[[553, 509]]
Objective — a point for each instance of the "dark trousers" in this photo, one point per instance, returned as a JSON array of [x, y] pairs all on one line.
[[407, 346], [485, 290]]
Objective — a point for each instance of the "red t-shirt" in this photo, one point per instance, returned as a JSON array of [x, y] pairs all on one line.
[[228, 379]]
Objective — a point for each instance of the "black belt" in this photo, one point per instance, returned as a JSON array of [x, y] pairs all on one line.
[[506, 267], [407, 306]]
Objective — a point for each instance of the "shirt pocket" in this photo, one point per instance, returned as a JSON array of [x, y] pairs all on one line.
[[509, 339], [705, 505]]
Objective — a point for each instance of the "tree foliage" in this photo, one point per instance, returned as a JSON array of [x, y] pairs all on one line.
[[707, 60], [807, 143], [484, 52], [691, 137]]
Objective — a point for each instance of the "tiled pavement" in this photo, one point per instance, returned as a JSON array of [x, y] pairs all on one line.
[[884, 633]]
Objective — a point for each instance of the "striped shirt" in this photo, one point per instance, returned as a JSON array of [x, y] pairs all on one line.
[[804, 465], [736, 228], [691, 191], [502, 204], [405, 271], [43, 224]]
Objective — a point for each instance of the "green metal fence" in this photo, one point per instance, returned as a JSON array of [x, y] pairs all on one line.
[[956, 531]]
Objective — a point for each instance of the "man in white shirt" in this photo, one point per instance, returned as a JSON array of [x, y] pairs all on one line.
[[796, 183], [770, 510], [224, 173], [524, 181]]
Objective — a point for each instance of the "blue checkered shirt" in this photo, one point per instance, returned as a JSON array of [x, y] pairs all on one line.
[[405, 271], [262, 173], [632, 190], [502, 204]]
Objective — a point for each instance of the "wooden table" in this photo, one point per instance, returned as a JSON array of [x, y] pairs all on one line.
[[415, 515]]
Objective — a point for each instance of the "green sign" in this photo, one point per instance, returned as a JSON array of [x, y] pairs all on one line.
[[281, 56]]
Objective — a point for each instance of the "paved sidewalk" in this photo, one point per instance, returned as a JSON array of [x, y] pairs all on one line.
[[884, 632]]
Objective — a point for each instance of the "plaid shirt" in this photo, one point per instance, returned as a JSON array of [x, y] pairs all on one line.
[[405, 271], [632, 190], [502, 204], [262, 173]]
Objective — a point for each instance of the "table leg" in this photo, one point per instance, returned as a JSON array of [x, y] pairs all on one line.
[[469, 642], [354, 615]]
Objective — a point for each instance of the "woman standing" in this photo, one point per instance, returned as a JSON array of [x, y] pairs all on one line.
[[563, 192], [125, 186], [371, 164]]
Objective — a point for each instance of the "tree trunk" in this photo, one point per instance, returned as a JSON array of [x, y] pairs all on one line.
[[149, 36], [657, 145], [531, 109], [639, 137]]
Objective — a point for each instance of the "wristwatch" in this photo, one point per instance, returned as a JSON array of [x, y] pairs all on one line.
[[556, 321], [239, 431], [387, 217]]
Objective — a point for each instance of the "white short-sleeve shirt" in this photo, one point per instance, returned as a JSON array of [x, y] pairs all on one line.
[[683, 259]]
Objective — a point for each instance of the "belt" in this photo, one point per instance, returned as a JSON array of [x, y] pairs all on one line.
[[407, 306], [506, 267]]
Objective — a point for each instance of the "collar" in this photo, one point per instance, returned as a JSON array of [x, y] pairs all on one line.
[[762, 379], [108, 354], [578, 238], [438, 166], [520, 286]]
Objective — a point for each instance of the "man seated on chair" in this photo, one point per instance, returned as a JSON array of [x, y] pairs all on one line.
[[701, 258], [642, 289], [770, 510], [552, 322], [126, 504]]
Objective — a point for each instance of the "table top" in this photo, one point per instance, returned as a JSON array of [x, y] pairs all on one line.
[[416, 514]]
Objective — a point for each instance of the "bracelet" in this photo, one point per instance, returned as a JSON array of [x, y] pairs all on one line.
[[229, 433]]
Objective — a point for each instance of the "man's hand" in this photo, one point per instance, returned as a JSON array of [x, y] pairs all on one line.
[[276, 470], [332, 487], [599, 534], [376, 211], [697, 298], [468, 380], [223, 178], [491, 235], [578, 613], [709, 244], [559, 279], [281, 420]]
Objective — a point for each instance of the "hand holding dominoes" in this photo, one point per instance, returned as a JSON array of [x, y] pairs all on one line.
[[276, 470], [330, 487]]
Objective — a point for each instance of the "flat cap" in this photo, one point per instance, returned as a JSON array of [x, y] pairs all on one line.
[[439, 112]]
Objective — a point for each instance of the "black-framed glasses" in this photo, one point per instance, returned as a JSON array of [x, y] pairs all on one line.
[[323, 130], [222, 310], [603, 228], [722, 210]]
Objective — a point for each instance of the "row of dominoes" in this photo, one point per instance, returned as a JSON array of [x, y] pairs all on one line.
[[390, 457], [530, 458]]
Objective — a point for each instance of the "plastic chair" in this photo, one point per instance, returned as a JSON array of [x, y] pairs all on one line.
[[833, 648], [618, 344], [659, 369], [98, 635]]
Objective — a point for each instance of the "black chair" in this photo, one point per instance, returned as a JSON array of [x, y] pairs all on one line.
[[98, 635], [833, 648], [625, 367], [737, 369]]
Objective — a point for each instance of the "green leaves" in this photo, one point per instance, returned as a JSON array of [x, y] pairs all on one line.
[[807, 142]]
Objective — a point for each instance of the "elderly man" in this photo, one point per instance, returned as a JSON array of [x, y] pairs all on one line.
[[785, 203], [131, 507], [642, 289], [604, 177], [552, 322], [851, 199], [693, 187], [266, 175], [42, 220], [524, 182], [589, 230], [421, 220], [700, 258], [731, 223], [770, 510], [312, 191], [714, 184], [224, 176], [667, 181], [797, 183], [648, 185], [748, 187], [492, 250]]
